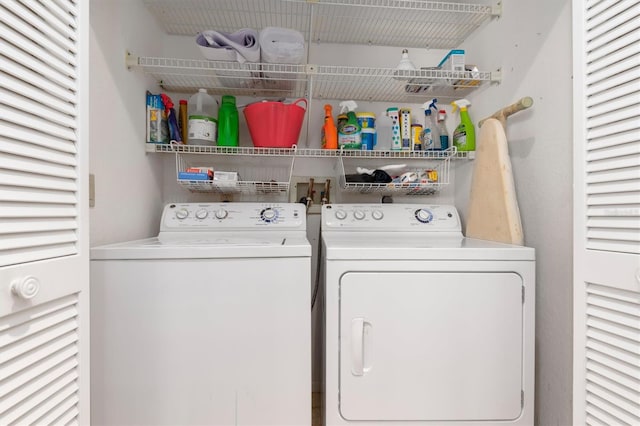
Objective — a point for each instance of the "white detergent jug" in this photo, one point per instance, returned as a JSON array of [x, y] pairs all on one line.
[[203, 121]]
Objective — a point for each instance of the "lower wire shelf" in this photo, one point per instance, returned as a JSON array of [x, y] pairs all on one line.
[[240, 187], [427, 180], [249, 175]]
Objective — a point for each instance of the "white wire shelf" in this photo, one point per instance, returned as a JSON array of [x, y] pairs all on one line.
[[328, 82], [254, 176], [430, 187], [305, 152], [221, 77], [405, 23], [391, 85]]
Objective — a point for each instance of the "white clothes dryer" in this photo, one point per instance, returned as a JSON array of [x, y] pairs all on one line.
[[207, 323], [423, 325]]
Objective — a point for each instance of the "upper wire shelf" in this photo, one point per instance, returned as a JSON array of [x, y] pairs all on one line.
[[328, 81], [405, 23]]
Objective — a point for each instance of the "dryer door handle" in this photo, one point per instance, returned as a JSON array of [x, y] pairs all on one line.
[[357, 346], [360, 343]]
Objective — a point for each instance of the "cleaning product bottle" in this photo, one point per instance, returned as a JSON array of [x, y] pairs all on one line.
[[435, 129], [405, 128], [430, 135], [464, 137], [416, 137], [394, 114], [349, 136], [368, 134], [228, 122], [183, 120], [329, 130], [203, 122], [427, 131], [442, 129]]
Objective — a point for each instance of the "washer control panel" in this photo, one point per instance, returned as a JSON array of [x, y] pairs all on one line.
[[391, 217], [218, 216]]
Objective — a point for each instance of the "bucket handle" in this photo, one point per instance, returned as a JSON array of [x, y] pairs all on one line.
[[300, 100]]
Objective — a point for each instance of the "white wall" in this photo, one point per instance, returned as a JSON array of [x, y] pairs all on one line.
[[128, 181], [531, 42]]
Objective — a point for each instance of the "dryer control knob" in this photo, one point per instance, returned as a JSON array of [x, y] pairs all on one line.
[[202, 213], [358, 214], [182, 214], [221, 213], [377, 215], [341, 214], [424, 215], [269, 214]]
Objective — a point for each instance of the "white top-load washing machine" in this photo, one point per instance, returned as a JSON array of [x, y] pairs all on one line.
[[206, 324], [423, 325]]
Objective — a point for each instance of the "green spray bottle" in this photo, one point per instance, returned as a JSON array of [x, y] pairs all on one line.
[[349, 136], [464, 137]]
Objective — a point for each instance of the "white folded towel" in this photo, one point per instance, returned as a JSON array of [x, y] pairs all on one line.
[[241, 46], [281, 45]]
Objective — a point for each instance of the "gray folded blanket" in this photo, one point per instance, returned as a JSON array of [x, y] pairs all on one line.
[[241, 46]]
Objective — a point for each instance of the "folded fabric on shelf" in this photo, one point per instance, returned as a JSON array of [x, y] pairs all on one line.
[[241, 46]]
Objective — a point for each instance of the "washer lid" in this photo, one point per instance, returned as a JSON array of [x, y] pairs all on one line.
[[409, 246], [207, 246]]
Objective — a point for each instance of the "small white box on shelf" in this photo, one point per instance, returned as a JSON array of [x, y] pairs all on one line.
[[225, 176], [454, 61]]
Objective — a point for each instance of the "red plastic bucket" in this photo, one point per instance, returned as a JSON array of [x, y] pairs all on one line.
[[275, 124]]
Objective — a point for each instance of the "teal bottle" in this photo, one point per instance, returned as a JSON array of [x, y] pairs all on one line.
[[228, 122]]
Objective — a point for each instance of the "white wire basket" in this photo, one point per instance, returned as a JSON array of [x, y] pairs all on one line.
[[254, 175], [436, 169]]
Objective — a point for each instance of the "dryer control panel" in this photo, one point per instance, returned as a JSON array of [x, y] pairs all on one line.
[[231, 216], [391, 217]]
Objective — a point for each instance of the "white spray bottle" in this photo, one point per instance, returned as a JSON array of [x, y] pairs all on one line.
[[430, 135]]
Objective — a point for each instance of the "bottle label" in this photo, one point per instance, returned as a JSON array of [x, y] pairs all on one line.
[[460, 139], [427, 139], [352, 141], [349, 129], [202, 128]]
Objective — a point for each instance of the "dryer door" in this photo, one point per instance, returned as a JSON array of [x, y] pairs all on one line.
[[431, 346]]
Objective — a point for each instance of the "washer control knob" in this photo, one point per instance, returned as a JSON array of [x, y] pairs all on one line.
[[202, 213], [269, 214], [424, 215], [358, 214], [377, 214], [341, 214], [221, 213], [182, 214], [27, 288]]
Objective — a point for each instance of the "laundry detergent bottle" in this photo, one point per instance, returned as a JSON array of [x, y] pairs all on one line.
[[464, 136], [228, 122], [203, 118]]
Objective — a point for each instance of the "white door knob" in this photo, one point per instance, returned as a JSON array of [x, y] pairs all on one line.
[[27, 288]]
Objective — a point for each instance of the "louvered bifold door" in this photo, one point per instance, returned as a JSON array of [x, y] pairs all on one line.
[[38, 176], [607, 212], [44, 265]]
